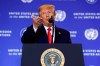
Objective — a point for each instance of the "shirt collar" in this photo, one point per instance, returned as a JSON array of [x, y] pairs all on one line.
[[46, 28]]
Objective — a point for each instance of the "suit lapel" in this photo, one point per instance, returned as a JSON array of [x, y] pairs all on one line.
[[44, 37], [57, 35]]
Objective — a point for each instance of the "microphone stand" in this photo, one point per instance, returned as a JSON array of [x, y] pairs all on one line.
[[51, 20], [52, 31]]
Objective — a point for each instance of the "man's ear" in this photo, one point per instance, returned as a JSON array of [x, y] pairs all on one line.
[[39, 14], [54, 15]]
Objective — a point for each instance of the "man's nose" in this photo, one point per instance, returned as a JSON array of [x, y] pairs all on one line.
[[47, 16]]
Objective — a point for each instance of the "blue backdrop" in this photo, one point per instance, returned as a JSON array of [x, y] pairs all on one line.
[[80, 17]]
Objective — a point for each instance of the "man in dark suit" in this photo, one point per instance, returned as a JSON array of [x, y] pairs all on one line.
[[42, 33]]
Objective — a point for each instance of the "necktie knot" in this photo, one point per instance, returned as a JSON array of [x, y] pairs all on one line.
[[49, 29]]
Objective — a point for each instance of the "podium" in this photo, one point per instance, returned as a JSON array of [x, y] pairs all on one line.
[[52, 55]]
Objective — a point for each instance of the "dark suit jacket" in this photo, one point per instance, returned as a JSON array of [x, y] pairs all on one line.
[[29, 36]]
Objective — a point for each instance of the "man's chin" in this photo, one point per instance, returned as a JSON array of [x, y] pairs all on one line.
[[47, 24]]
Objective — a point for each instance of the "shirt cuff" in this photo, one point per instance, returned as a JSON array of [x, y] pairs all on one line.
[[35, 29]]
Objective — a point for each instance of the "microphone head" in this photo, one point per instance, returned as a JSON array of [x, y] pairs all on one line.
[[51, 20]]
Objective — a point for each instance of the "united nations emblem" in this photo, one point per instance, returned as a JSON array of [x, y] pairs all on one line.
[[26, 1], [22, 31], [91, 34], [60, 15], [52, 57], [91, 1]]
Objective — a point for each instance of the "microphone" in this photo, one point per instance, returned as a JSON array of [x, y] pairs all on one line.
[[51, 20]]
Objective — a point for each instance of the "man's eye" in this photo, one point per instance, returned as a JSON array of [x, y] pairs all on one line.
[[49, 12], [43, 13]]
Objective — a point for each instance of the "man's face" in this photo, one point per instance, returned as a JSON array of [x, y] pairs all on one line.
[[46, 15]]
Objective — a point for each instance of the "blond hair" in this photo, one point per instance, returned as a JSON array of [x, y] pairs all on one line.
[[47, 6]]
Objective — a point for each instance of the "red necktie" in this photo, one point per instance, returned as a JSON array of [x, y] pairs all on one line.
[[49, 36]]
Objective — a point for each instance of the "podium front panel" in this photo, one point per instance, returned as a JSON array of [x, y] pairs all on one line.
[[31, 54]]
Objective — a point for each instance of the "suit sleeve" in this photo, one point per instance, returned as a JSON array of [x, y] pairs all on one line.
[[29, 36], [66, 37]]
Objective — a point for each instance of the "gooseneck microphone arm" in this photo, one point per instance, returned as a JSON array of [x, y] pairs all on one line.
[[51, 20]]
